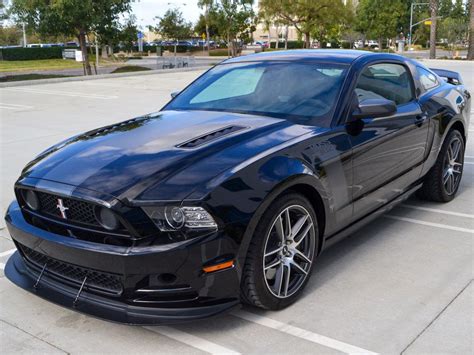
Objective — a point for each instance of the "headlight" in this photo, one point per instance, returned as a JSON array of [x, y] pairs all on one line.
[[171, 218]]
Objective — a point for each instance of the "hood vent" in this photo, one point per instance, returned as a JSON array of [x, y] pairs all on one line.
[[205, 138]]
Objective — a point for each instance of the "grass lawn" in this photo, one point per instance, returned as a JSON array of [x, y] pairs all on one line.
[[46, 64], [43, 64], [21, 77]]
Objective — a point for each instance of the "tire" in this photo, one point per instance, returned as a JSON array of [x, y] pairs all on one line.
[[269, 289], [435, 186]]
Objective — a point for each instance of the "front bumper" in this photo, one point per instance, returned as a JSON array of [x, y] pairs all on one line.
[[144, 295]]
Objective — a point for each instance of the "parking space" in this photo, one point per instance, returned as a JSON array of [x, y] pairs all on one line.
[[402, 284]]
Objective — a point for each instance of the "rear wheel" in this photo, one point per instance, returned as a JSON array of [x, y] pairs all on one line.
[[281, 254], [442, 181]]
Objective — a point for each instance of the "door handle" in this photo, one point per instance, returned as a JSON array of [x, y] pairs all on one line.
[[419, 119]]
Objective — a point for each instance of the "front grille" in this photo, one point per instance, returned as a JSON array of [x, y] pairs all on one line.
[[105, 282], [78, 211]]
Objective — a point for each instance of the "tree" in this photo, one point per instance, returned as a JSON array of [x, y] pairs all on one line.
[[235, 20], [380, 18], [434, 14], [207, 5], [10, 36], [307, 16], [470, 51], [172, 25], [76, 18]]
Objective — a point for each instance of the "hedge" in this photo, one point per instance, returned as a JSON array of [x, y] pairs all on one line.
[[31, 53], [291, 44]]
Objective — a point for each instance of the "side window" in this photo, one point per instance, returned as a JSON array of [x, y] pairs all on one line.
[[427, 79], [385, 80]]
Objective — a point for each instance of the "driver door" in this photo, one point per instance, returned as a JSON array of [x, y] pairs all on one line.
[[388, 152]]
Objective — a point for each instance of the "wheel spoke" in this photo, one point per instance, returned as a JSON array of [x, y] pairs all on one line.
[[456, 149], [287, 279], [457, 168], [298, 225], [279, 229], [299, 268], [279, 279], [273, 264], [446, 176], [288, 222], [302, 256], [273, 251], [450, 153], [303, 234]]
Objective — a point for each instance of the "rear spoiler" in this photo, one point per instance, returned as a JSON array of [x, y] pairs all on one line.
[[450, 76]]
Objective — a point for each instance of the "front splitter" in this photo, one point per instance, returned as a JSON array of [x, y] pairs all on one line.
[[17, 272]]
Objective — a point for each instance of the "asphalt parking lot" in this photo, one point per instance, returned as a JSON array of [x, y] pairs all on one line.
[[402, 284]]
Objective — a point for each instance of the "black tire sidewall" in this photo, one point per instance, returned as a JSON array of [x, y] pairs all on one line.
[[451, 136], [266, 298]]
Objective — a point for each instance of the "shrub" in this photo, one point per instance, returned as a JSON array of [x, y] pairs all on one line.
[[291, 44], [31, 53], [129, 68], [218, 52]]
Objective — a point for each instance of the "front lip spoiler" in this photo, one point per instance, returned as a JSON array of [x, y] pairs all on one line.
[[17, 272]]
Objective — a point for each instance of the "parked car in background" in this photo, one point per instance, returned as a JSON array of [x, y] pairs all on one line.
[[359, 44]]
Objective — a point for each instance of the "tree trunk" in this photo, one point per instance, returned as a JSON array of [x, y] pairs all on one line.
[[105, 55], [434, 11], [307, 39], [286, 37], [470, 51], [85, 54]]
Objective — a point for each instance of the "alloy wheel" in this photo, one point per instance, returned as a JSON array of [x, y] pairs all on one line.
[[453, 166], [289, 251]]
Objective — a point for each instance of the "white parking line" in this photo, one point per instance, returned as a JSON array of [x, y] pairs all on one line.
[[6, 106], [8, 252], [301, 333], [467, 215], [437, 225], [64, 93], [192, 340]]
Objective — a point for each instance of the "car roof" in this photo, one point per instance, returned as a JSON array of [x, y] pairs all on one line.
[[342, 56]]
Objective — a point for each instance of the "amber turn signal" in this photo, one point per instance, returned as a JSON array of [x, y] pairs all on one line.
[[217, 267]]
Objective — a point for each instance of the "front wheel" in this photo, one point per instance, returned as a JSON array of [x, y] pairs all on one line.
[[442, 181], [281, 254]]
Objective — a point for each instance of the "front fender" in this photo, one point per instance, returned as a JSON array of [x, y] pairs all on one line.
[[243, 197]]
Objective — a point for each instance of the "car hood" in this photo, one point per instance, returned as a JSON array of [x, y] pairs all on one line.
[[161, 156]]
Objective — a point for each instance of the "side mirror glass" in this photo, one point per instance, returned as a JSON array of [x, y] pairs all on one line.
[[373, 108], [174, 94]]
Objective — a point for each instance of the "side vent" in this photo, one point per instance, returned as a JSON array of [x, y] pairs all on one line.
[[205, 138]]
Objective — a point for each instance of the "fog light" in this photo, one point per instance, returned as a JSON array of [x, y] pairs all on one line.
[[107, 218], [31, 199]]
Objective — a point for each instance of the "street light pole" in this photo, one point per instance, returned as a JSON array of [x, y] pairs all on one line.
[[413, 4], [24, 35]]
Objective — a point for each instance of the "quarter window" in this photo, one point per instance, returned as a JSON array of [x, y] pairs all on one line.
[[427, 79], [385, 80]]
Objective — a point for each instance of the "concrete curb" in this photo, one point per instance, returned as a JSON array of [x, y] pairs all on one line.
[[100, 76]]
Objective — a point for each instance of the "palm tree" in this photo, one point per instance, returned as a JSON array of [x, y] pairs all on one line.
[[434, 12], [470, 51]]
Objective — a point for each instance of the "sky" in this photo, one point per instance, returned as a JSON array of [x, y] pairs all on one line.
[[146, 10]]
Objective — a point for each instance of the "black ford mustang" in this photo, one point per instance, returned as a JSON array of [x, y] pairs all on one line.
[[234, 188]]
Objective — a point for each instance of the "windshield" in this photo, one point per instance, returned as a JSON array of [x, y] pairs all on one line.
[[303, 92]]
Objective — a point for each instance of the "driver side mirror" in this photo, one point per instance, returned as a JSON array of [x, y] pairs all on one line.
[[373, 108], [174, 94]]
